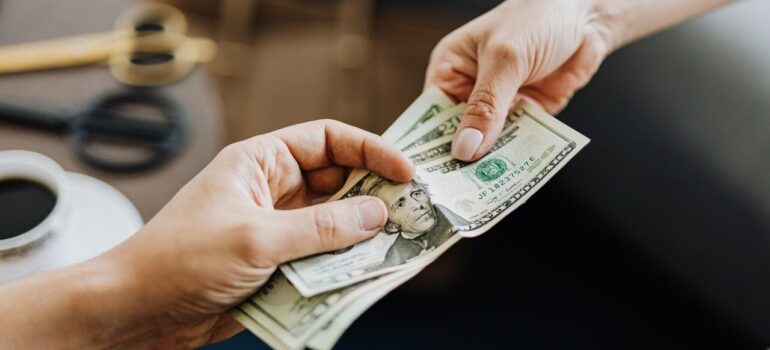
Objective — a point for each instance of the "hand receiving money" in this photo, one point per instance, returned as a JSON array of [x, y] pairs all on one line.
[[545, 50]]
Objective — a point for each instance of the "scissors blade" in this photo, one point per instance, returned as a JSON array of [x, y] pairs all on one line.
[[32, 116]]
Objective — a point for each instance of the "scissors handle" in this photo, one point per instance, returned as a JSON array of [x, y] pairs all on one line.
[[104, 121], [34, 117]]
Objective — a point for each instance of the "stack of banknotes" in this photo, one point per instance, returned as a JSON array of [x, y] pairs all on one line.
[[312, 301]]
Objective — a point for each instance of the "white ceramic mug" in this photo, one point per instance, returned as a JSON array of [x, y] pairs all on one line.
[[45, 171]]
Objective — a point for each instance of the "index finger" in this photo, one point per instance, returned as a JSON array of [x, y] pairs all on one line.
[[322, 143]]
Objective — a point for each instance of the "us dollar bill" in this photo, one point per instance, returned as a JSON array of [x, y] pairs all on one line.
[[446, 196]]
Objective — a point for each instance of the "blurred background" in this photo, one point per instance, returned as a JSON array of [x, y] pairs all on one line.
[[656, 236]]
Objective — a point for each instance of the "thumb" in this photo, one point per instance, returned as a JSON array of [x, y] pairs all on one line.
[[492, 95], [324, 227]]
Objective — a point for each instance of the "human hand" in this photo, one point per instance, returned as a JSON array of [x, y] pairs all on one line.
[[222, 236], [213, 245], [542, 50]]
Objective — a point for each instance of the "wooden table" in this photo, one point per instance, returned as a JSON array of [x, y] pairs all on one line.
[[23, 21]]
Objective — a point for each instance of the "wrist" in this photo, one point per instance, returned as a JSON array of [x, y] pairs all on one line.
[[77, 307], [105, 300], [102, 304], [621, 22], [605, 19]]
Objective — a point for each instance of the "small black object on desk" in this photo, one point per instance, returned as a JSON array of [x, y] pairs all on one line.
[[107, 120]]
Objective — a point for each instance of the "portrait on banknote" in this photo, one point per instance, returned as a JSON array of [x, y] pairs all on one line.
[[419, 224]]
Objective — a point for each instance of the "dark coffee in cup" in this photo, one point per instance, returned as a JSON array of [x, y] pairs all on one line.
[[24, 203], [34, 196]]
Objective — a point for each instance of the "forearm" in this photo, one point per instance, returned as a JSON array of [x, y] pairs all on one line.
[[74, 308], [629, 20]]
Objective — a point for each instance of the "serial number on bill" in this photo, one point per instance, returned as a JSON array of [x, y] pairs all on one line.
[[507, 178]]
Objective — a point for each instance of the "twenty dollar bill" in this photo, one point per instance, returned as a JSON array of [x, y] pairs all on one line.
[[446, 197]]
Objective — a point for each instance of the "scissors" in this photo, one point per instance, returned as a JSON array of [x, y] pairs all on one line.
[[146, 47], [108, 121]]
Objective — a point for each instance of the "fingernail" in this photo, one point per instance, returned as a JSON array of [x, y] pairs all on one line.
[[467, 143], [371, 214]]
